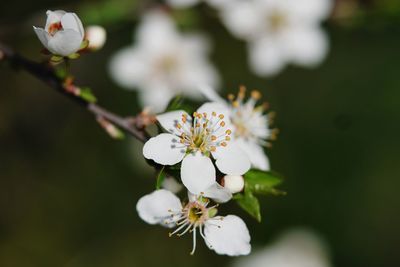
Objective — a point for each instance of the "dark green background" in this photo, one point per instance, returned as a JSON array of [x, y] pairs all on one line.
[[68, 192]]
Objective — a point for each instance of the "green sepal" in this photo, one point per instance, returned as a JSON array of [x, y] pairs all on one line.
[[56, 59], [86, 94], [84, 44], [160, 178], [74, 56]]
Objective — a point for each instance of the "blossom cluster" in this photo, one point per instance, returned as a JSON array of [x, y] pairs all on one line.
[[212, 148], [216, 153]]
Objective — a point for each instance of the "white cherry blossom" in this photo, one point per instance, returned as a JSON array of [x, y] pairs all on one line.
[[250, 123], [225, 235], [97, 36], [163, 62], [279, 31], [63, 33], [193, 140]]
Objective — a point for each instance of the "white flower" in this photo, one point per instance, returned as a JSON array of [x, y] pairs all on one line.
[[63, 33], [296, 248], [225, 235], [163, 63], [193, 141], [97, 36], [279, 31], [250, 124]]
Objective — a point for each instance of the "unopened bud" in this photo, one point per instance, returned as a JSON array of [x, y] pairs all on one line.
[[234, 183], [96, 35]]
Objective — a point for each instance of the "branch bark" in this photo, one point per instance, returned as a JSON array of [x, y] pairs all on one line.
[[46, 73]]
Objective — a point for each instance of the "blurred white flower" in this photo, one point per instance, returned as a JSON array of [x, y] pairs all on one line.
[[296, 248], [225, 235], [279, 31], [63, 33], [189, 3], [193, 141], [250, 123], [96, 35], [163, 63]]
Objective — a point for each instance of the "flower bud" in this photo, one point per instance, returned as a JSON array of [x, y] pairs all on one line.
[[63, 33], [96, 35], [234, 183]]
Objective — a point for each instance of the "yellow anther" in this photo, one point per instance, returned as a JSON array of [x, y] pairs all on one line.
[[198, 125], [213, 149], [231, 97], [222, 123], [235, 104], [178, 126], [195, 114], [224, 144], [221, 116], [214, 113], [213, 138], [227, 138], [255, 94], [228, 132], [205, 125], [242, 91]]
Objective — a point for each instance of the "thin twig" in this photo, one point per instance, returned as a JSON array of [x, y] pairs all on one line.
[[46, 73]]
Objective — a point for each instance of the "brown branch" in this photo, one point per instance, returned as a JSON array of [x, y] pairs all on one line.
[[46, 73]]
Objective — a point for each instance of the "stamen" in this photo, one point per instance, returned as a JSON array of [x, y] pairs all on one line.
[[194, 241]]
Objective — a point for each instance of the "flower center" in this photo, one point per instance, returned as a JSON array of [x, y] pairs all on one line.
[[205, 133], [276, 21], [54, 28], [249, 120]]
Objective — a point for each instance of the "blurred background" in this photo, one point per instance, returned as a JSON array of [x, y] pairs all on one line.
[[68, 191]]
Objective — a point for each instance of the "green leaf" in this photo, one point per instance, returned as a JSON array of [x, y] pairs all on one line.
[[84, 44], [249, 203], [86, 94], [262, 182], [160, 178]]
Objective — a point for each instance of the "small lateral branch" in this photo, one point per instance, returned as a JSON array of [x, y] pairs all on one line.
[[46, 74]]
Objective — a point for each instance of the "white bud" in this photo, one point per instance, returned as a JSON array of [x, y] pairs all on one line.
[[96, 35], [234, 183], [172, 185], [62, 34]]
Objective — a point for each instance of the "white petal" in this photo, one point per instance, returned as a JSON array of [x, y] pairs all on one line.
[[228, 236], [72, 22], [169, 121], [172, 185], [164, 149], [65, 42], [127, 68], [210, 107], [311, 10], [209, 93], [182, 3], [256, 154], [197, 173], [266, 57], [53, 17], [156, 97], [42, 35], [231, 159], [218, 193], [306, 46], [242, 18], [155, 208]]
